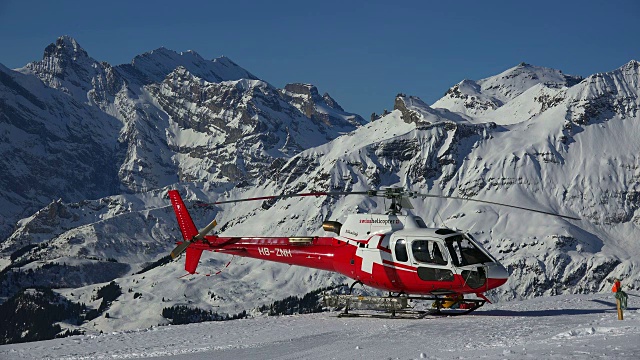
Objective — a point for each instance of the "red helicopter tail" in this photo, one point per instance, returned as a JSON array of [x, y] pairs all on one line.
[[188, 228], [192, 260], [189, 233]]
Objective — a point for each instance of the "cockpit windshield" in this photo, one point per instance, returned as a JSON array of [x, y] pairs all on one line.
[[463, 252]]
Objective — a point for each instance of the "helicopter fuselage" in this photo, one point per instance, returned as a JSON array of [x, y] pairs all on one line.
[[391, 252]]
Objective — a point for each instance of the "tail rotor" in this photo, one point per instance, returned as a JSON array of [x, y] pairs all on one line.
[[178, 250]]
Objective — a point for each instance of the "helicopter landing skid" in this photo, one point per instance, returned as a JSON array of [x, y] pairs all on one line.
[[398, 307], [402, 314]]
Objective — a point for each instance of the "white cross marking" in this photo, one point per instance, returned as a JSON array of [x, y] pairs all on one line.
[[370, 256]]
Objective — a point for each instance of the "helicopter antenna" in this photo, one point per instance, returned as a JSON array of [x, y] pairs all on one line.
[[440, 217]]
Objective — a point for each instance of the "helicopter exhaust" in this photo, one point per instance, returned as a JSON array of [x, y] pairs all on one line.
[[332, 226]]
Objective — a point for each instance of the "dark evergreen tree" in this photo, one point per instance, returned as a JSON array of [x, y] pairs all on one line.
[[32, 314]]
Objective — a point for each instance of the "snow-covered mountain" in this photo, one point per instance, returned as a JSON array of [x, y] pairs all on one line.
[[53, 146], [477, 98], [529, 136], [75, 128]]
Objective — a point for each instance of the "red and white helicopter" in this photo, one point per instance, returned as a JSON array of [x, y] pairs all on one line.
[[394, 252]]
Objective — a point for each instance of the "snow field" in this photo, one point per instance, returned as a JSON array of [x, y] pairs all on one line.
[[569, 326]]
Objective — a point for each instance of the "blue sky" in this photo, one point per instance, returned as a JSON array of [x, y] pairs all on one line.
[[362, 52]]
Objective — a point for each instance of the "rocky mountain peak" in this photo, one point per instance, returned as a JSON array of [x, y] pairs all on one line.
[[321, 109], [180, 72], [512, 82], [415, 110], [311, 93], [66, 66], [479, 97], [630, 70], [331, 102], [631, 65], [627, 74], [155, 65], [302, 89], [66, 48], [602, 96]]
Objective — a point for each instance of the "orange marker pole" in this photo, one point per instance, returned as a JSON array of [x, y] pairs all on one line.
[[620, 315]]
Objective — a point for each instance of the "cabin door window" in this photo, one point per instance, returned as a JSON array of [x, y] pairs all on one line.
[[428, 252], [401, 250], [430, 258]]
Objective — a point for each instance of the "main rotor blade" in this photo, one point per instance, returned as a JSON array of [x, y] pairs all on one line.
[[320, 193], [207, 229], [496, 203], [397, 193], [180, 249]]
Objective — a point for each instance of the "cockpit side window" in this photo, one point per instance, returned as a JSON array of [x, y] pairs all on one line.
[[427, 251], [464, 252], [401, 250]]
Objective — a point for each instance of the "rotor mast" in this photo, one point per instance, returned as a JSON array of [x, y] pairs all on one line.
[[399, 199]]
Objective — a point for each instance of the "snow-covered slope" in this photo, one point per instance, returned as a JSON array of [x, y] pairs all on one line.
[[481, 97], [52, 146], [566, 327]]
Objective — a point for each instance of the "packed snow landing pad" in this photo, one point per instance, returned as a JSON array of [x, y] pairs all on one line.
[[568, 326]]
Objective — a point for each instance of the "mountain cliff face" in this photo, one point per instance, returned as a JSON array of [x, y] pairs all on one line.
[[111, 141], [76, 128], [248, 125], [52, 144], [321, 109]]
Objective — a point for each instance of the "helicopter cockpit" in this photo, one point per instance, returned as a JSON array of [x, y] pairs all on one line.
[[442, 255], [435, 255]]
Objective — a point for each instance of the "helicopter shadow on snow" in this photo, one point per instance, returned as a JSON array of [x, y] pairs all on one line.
[[538, 313], [611, 308], [613, 304]]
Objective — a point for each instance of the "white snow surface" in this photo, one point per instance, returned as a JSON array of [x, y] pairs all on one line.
[[557, 327]]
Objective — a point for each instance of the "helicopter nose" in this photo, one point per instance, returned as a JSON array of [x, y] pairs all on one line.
[[497, 271], [496, 275]]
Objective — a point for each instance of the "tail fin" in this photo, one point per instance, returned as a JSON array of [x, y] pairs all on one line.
[[192, 260], [189, 232], [187, 226]]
